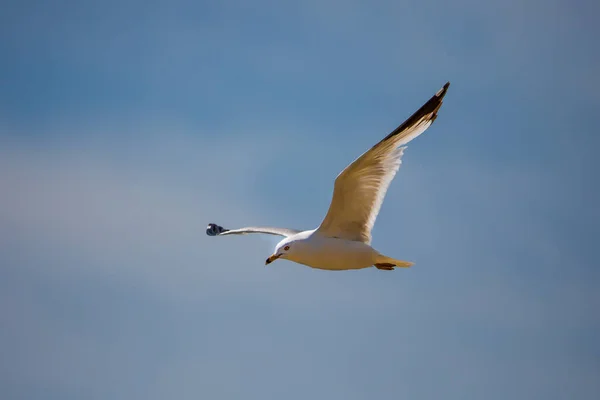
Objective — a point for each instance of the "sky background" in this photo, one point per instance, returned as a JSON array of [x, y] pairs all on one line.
[[125, 127]]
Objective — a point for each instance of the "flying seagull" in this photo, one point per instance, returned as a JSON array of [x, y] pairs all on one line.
[[343, 240]]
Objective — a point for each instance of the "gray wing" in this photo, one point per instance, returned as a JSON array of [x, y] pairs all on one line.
[[217, 230], [360, 188]]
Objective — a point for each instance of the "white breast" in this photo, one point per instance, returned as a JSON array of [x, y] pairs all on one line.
[[334, 254]]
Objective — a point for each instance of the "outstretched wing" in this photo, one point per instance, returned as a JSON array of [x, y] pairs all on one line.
[[360, 188], [217, 230]]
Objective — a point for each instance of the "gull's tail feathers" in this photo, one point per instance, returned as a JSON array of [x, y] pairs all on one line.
[[388, 263]]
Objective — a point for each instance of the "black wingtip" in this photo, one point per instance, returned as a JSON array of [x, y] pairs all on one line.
[[214, 229], [442, 92], [431, 108]]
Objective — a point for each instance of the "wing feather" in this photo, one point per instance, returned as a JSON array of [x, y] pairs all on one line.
[[360, 188], [217, 230]]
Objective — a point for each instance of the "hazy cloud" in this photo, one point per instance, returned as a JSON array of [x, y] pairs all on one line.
[[124, 131]]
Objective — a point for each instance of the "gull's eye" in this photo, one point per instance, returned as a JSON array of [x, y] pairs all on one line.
[[286, 248]]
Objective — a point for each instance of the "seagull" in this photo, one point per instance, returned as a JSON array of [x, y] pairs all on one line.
[[343, 240]]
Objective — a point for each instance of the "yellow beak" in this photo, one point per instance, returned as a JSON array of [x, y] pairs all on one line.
[[272, 258]]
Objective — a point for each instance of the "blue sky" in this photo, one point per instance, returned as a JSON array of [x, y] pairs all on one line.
[[125, 127]]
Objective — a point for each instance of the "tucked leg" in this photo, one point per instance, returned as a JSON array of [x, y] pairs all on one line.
[[385, 266]]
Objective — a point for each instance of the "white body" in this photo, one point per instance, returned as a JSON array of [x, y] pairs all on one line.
[[312, 249]]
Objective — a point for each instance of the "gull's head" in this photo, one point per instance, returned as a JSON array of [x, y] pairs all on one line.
[[282, 250]]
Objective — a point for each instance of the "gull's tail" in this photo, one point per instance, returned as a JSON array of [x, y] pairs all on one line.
[[388, 263]]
